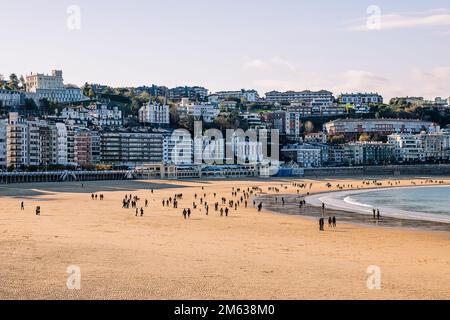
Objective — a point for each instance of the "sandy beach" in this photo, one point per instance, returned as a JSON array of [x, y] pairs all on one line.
[[247, 255]]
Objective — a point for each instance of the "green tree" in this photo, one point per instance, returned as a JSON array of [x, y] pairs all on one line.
[[13, 82], [23, 83]]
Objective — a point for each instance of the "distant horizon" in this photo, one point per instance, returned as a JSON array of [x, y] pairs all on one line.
[[396, 48]]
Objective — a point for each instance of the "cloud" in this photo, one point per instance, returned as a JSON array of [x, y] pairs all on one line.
[[269, 64], [434, 82], [430, 18]]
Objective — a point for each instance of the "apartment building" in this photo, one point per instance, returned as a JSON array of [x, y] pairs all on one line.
[[16, 141], [306, 155], [360, 98], [354, 127], [368, 153], [421, 147], [178, 148], [320, 97], [9, 98], [205, 111], [408, 147], [126, 148], [192, 93], [247, 95], [3, 128], [154, 114]]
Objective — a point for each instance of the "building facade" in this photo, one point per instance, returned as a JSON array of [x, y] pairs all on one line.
[[154, 114]]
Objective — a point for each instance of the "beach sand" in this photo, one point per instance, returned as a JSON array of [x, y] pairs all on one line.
[[248, 255]]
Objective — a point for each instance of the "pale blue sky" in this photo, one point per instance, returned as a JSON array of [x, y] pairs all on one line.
[[224, 45]]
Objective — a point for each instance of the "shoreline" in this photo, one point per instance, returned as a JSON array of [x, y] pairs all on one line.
[[338, 200]]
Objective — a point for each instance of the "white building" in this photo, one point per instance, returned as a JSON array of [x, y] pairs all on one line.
[[247, 95], [52, 88], [3, 126], [253, 119], [322, 96], [154, 114], [16, 141], [61, 144], [206, 112], [10, 98], [421, 147], [178, 148], [379, 126], [306, 155], [408, 147], [360, 99], [76, 113], [101, 115]]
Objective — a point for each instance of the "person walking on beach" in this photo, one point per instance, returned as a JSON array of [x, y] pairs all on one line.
[[321, 224], [378, 214], [334, 221], [189, 213], [22, 206], [38, 211], [142, 212], [330, 222], [184, 214], [137, 212]]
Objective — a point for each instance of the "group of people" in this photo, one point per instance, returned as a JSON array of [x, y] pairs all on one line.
[[96, 196], [132, 201], [331, 223], [37, 210]]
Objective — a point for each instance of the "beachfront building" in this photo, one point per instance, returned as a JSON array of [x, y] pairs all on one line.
[[178, 148], [320, 97], [421, 147], [129, 148], [154, 114], [360, 99], [51, 87], [408, 147], [306, 155], [352, 128], [16, 141], [3, 126], [61, 143], [368, 153]]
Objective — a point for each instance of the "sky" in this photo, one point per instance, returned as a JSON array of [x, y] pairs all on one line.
[[396, 48]]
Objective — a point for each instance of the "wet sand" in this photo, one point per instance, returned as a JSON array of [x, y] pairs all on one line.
[[248, 255]]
